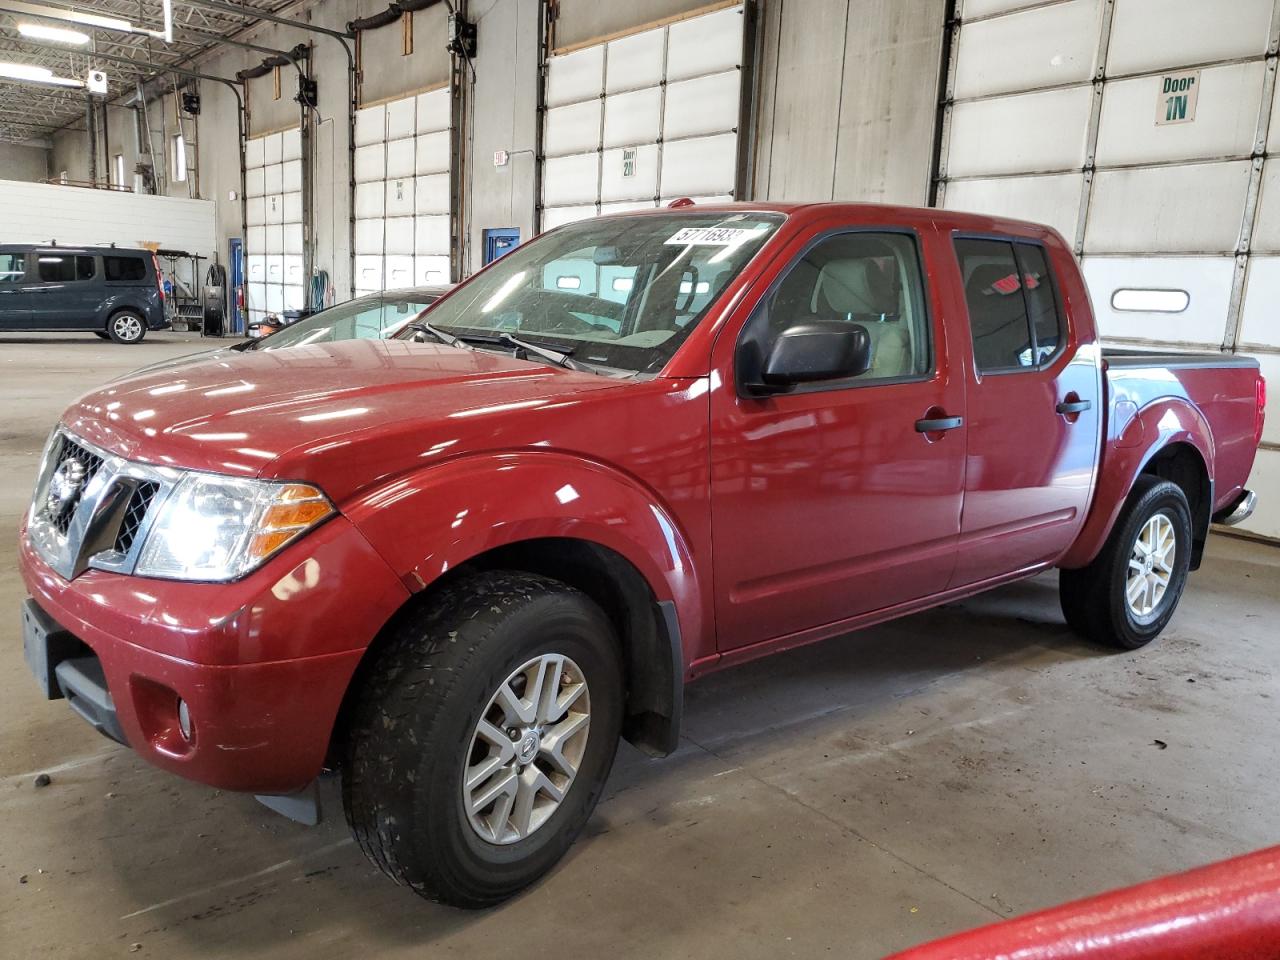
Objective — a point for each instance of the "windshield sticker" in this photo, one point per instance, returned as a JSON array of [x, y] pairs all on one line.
[[711, 237]]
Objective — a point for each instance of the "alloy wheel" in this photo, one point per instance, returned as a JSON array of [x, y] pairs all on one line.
[[526, 749]]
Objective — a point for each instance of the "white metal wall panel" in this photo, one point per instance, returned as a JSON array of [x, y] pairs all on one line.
[[1050, 133], [1191, 208], [635, 62], [1266, 478], [633, 117], [1260, 326], [1207, 281], [705, 166], [1266, 233], [711, 43], [1225, 124], [273, 220], [403, 196], [626, 117], [1164, 34], [975, 9], [1053, 200], [1045, 46], [575, 76], [700, 106]]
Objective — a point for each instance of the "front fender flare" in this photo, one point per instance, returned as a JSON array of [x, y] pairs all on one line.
[[430, 522]]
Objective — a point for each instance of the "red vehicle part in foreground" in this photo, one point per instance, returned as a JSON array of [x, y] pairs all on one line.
[[1225, 911]]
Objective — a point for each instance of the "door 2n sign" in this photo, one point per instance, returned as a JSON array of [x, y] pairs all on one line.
[[1176, 97]]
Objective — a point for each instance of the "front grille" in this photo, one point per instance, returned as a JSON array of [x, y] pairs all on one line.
[[134, 514], [68, 449]]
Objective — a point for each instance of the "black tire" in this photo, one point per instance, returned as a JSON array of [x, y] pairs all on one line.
[[127, 326], [1093, 597], [409, 733]]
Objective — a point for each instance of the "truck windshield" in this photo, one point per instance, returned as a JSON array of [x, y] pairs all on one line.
[[617, 292]]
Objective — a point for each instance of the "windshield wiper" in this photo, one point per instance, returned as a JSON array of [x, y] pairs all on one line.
[[561, 358], [448, 339]]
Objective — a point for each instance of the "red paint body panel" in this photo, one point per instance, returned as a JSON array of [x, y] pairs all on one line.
[[766, 522], [1225, 911], [263, 663]]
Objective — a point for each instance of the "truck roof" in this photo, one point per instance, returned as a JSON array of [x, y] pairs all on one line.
[[870, 213]]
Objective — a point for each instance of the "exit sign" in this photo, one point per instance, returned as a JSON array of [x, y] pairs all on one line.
[[1177, 96]]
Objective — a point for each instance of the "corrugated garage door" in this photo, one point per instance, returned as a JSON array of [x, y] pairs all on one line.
[[1138, 129], [403, 224], [273, 214], [644, 118]]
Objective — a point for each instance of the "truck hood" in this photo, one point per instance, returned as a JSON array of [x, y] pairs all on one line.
[[242, 413]]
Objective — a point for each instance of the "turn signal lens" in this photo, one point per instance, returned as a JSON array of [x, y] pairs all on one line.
[[298, 508]]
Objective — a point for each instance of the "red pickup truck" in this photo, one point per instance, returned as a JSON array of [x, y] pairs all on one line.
[[458, 565]]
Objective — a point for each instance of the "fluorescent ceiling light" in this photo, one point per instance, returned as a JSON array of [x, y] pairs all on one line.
[[34, 74], [94, 20], [38, 31]]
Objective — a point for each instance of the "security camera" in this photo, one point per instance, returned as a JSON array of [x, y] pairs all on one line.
[[96, 82]]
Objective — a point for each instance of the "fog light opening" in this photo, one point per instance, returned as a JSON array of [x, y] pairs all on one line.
[[184, 720]]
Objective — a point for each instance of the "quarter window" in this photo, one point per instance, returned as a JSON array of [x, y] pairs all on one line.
[[870, 279], [1013, 310], [12, 267], [124, 268]]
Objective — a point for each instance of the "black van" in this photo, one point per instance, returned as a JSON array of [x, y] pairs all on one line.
[[113, 292]]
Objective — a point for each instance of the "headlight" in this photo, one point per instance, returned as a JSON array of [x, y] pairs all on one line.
[[219, 528]]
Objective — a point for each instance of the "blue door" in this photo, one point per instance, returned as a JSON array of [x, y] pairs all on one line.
[[499, 241], [235, 285]]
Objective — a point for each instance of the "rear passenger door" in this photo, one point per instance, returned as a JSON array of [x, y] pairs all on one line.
[[65, 296], [15, 299], [1032, 418]]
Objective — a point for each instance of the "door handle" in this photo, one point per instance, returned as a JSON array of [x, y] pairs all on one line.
[[1074, 406], [938, 424]]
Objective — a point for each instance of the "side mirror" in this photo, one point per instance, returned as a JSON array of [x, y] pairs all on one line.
[[815, 351]]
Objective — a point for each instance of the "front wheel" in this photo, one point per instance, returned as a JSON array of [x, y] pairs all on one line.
[[1128, 594], [126, 327], [482, 735]]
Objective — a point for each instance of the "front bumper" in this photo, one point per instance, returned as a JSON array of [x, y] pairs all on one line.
[[262, 664]]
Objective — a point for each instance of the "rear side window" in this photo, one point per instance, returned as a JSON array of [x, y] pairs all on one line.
[[12, 267], [1013, 311], [84, 268], [124, 268], [55, 268]]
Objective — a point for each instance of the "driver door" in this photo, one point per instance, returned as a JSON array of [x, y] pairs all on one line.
[[828, 501]]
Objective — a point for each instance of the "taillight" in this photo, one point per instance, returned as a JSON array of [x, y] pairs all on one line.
[[155, 263], [1260, 414]]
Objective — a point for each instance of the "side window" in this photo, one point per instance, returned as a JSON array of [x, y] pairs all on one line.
[[124, 268], [1013, 314], [12, 267], [84, 268], [54, 268], [872, 279], [1042, 305]]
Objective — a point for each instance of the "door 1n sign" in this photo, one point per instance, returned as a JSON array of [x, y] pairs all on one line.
[[1176, 98]]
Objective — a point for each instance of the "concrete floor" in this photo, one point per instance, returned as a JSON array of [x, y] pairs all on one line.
[[848, 799]]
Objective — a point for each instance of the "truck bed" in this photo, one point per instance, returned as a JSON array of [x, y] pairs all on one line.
[[1127, 357]]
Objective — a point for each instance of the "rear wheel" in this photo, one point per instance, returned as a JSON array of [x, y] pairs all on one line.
[[1128, 594], [481, 737], [126, 326]]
